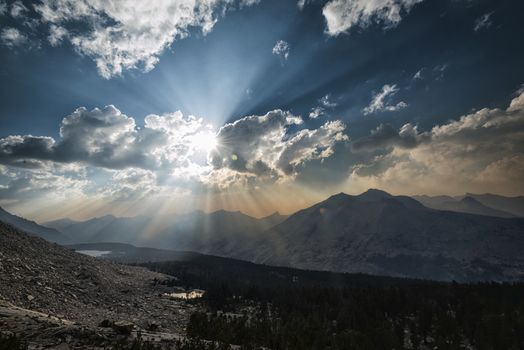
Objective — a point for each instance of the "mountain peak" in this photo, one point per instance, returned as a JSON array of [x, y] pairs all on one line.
[[273, 215], [340, 195], [374, 194], [469, 200]]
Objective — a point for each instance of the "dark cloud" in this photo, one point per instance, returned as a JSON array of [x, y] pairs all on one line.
[[266, 146], [385, 136]]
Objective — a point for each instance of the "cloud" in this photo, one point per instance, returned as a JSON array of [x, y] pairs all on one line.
[[302, 3], [381, 101], [265, 147], [12, 37], [103, 153], [3, 8], [249, 2], [281, 49], [483, 21], [478, 151], [316, 112], [342, 15], [123, 35], [385, 136], [109, 139], [418, 74], [56, 35], [21, 184], [18, 9], [326, 102], [435, 73]]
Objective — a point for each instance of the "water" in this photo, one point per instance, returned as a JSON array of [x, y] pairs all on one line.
[[94, 253]]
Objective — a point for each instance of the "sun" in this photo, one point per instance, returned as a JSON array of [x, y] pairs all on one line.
[[204, 141]]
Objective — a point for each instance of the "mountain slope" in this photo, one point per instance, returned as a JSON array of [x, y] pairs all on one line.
[[219, 233], [513, 205], [50, 279], [107, 228], [33, 228], [465, 205], [394, 235]]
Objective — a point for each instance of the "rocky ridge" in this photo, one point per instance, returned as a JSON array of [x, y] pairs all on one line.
[[72, 291]]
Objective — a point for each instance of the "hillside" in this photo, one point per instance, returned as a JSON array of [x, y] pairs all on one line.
[[216, 233], [394, 235], [33, 228], [107, 228], [467, 204], [513, 205], [75, 290]]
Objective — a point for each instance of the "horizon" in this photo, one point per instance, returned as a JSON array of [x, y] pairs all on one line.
[[182, 214], [165, 109]]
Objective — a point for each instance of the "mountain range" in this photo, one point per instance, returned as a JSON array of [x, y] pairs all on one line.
[[481, 204], [374, 232], [31, 227], [378, 233]]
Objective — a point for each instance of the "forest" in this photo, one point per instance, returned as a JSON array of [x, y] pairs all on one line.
[[257, 306]]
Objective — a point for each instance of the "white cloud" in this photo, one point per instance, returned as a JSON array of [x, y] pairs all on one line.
[[327, 102], [109, 139], [56, 35], [302, 3], [3, 8], [22, 184], [281, 49], [342, 15], [18, 9], [129, 34], [483, 21], [418, 74], [249, 2], [479, 151], [102, 152], [316, 112], [12, 37], [381, 101], [263, 145]]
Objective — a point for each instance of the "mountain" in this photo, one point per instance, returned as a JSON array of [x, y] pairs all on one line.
[[272, 220], [433, 201], [210, 233], [33, 228], [51, 294], [218, 233], [513, 205], [467, 204], [107, 228], [60, 224], [378, 233]]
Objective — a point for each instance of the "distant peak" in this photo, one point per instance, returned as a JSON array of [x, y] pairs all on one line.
[[226, 212], [339, 195], [469, 199], [105, 217], [274, 215], [374, 194]]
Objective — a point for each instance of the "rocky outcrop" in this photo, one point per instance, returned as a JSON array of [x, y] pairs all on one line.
[[78, 292]]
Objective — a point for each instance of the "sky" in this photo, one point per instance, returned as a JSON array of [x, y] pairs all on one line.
[[154, 108]]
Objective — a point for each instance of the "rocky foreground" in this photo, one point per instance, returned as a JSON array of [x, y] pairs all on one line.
[[55, 297]]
